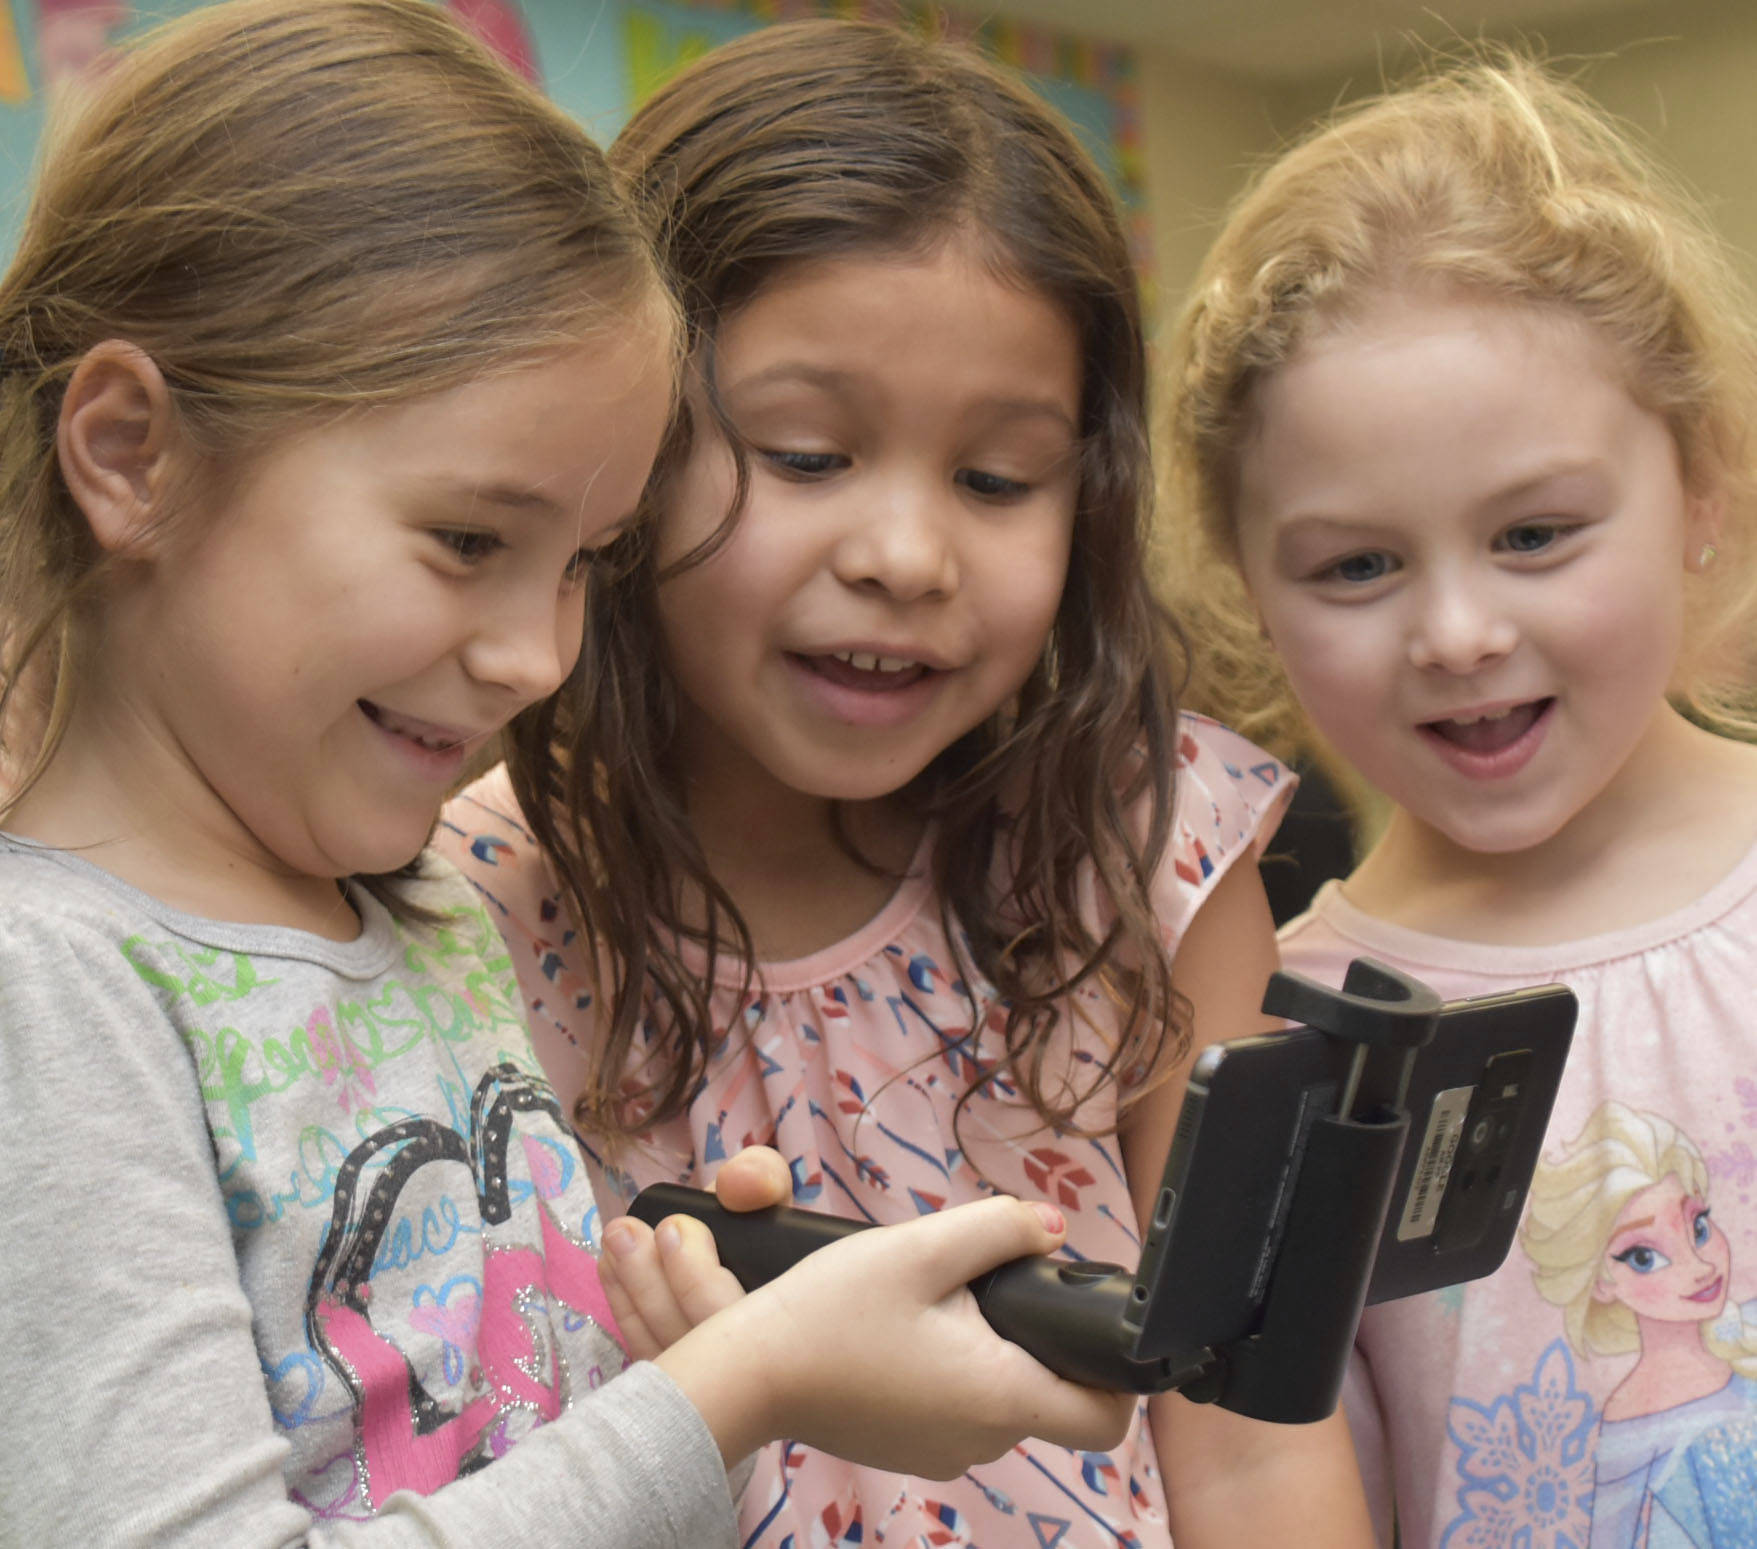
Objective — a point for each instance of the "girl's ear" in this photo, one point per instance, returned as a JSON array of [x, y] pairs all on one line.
[[114, 440], [1702, 524]]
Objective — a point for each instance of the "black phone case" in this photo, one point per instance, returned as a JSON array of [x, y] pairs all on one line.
[[1242, 1142]]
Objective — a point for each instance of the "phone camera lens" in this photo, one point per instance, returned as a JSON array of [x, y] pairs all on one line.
[[1480, 1132]]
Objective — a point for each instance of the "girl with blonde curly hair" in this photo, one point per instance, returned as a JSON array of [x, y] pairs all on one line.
[[1461, 428]]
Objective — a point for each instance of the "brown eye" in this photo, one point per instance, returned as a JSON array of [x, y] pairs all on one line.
[[806, 465], [470, 544], [991, 486]]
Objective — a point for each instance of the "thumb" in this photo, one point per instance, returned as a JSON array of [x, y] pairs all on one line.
[[756, 1177], [959, 1244]]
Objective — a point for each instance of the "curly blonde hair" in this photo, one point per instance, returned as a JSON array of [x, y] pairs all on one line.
[[1492, 175]]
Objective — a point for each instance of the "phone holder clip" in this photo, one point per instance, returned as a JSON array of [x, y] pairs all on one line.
[[1291, 1369]]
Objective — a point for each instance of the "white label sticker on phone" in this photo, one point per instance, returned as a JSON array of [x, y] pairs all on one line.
[[1433, 1166]]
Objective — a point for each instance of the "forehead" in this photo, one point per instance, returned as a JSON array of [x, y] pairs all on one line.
[[937, 320], [1448, 392]]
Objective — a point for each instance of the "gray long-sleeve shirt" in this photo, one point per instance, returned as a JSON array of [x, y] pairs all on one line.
[[294, 1247]]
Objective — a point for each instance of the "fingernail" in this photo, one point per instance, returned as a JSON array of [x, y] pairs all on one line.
[[1050, 1217], [619, 1239], [669, 1237]]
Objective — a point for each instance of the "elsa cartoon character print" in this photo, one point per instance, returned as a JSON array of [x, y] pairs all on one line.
[[1621, 1237]]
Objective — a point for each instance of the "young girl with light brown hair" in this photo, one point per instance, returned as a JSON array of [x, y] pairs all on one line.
[[1462, 415], [329, 360]]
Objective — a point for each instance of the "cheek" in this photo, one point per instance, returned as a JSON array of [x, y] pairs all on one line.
[[1618, 622], [570, 631], [1335, 661], [1637, 1292], [1025, 596], [1718, 1251], [695, 499]]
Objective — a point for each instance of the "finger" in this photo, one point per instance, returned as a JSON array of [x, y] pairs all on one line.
[[959, 1244], [638, 1290], [699, 1284], [753, 1179], [1086, 1419], [637, 1339]]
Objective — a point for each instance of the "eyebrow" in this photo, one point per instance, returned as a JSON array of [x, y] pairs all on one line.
[[1592, 467], [511, 497], [1332, 526], [828, 380], [1632, 1225]]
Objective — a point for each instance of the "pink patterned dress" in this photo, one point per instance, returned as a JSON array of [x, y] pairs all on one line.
[[850, 1062]]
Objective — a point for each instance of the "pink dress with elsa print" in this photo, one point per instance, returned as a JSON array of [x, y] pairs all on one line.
[[850, 1063], [1506, 1413]]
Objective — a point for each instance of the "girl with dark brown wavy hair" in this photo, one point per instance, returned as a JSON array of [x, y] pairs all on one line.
[[871, 830]]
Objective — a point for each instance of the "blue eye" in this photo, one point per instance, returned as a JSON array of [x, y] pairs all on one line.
[[1699, 1228], [1358, 569], [1533, 537], [1643, 1259]]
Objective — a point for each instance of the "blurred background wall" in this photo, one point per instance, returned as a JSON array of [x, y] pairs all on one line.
[[1178, 98], [1226, 82]]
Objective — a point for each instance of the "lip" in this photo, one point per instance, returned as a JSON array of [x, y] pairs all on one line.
[[441, 761], [1503, 763], [873, 708], [1710, 1292]]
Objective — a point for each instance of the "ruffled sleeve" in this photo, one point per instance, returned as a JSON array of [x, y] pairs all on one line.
[[483, 833], [1231, 797]]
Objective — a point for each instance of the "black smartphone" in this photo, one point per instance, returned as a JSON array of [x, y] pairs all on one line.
[[1478, 1095]]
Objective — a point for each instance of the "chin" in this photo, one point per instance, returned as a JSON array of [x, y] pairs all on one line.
[[850, 779], [384, 855], [1488, 833]]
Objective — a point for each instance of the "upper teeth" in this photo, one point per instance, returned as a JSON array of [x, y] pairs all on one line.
[[393, 722], [865, 661], [1487, 715]]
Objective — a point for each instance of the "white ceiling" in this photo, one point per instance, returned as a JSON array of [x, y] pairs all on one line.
[[1290, 38]]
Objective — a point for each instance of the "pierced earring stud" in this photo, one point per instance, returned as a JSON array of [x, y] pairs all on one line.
[[1706, 557]]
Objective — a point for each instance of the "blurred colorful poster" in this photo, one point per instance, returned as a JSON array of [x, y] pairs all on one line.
[[501, 25], [71, 37], [1092, 84]]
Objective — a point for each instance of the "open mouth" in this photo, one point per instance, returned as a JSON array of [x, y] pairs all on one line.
[[1709, 1292], [436, 739], [863, 670], [1490, 733]]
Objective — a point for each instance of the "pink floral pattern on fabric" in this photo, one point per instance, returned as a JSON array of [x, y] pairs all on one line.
[[851, 1063]]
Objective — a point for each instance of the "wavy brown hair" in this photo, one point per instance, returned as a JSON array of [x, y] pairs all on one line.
[[819, 140], [1492, 174], [297, 210]]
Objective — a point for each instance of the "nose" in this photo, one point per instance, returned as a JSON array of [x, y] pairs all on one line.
[[526, 644], [902, 544], [1461, 626]]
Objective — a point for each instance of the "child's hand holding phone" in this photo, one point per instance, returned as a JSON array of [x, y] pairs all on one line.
[[872, 1348], [662, 1283]]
